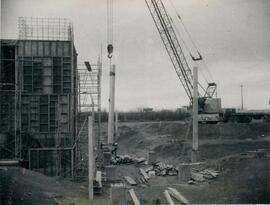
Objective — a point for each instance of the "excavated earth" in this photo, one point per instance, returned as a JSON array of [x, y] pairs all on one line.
[[244, 177]]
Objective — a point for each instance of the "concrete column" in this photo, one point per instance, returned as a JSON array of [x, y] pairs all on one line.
[[242, 98], [90, 158], [116, 123], [111, 106], [195, 109]]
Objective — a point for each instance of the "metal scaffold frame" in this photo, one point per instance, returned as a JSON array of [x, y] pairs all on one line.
[[34, 28], [47, 44], [45, 49], [89, 84]]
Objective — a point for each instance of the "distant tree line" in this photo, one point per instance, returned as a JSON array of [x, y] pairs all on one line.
[[140, 115]]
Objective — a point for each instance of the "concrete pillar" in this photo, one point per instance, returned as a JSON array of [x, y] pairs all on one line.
[[111, 106], [91, 159], [116, 123], [194, 156], [195, 109]]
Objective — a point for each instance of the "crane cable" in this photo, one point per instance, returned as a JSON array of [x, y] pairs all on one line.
[[110, 28], [192, 41], [187, 32], [188, 49]]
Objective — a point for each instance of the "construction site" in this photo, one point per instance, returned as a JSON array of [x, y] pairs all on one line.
[[60, 144]]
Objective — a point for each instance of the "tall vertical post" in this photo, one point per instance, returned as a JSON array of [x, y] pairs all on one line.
[[195, 109], [116, 123], [72, 163], [90, 158], [15, 110], [99, 100], [111, 106], [242, 98]]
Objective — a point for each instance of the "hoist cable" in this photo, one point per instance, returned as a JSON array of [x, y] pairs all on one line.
[[192, 41], [186, 47]]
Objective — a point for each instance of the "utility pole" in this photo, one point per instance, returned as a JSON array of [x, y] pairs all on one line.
[[111, 106], [242, 98], [195, 109]]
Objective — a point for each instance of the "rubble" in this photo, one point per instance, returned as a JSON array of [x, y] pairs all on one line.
[[162, 169], [203, 175], [126, 159]]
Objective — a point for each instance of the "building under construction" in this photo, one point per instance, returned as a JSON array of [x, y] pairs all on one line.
[[38, 95]]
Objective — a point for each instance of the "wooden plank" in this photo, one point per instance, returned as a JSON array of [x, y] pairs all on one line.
[[197, 177], [134, 197], [212, 172], [177, 195], [130, 180], [144, 174], [168, 197]]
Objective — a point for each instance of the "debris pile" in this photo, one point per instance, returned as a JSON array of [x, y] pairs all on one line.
[[203, 175], [126, 159], [162, 169]]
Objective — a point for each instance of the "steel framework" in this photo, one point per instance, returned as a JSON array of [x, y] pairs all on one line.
[[34, 28]]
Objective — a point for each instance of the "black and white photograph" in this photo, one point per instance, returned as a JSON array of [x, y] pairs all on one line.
[[134, 102]]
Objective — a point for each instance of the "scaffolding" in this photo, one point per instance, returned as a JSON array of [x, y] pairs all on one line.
[[89, 87], [44, 107], [34, 28], [38, 104], [89, 84]]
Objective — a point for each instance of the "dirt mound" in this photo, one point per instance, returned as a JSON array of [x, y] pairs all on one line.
[[24, 187]]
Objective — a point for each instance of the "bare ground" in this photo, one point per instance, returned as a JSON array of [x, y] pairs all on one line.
[[242, 179]]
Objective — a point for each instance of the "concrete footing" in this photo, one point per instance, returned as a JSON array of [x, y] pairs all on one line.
[[184, 172], [112, 174], [106, 158], [118, 194]]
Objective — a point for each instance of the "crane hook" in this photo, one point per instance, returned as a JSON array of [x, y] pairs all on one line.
[[196, 59], [110, 50]]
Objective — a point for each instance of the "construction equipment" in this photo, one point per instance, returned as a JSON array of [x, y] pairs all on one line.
[[209, 106]]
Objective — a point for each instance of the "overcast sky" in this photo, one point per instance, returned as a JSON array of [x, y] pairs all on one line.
[[232, 35]]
